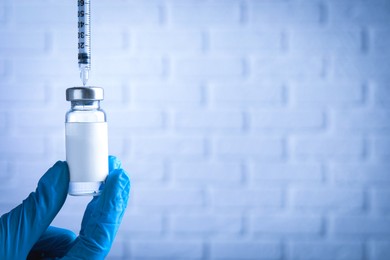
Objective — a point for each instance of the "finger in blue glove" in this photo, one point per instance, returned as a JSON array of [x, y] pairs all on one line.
[[21, 228], [103, 216]]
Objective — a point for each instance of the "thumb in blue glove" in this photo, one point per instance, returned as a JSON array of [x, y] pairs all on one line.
[[21, 228], [103, 216]]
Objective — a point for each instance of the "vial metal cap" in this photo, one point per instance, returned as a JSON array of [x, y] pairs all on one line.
[[84, 93]]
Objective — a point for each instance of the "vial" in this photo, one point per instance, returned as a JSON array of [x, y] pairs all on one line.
[[86, 141]]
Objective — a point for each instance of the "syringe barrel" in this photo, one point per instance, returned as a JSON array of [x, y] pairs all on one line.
[[84, 34]]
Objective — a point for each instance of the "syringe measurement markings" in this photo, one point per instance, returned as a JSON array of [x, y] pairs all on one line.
[[84, 36]]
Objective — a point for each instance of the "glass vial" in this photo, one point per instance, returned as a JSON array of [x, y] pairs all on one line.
[[86, 141]]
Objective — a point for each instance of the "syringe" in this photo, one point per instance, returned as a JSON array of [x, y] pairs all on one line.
[[84, 35]]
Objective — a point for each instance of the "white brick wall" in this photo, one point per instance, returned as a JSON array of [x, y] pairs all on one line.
[[250, 129]]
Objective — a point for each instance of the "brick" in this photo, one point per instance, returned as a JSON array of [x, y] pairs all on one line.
[[208, 120], [287, 120], [380, 250], [382, 92], [64, 42], [286, 225], [56, 91], [116, 143], [168, 41], [2, 13], [359, 13], [329, 147], [281, 13], [206, 224], [252, 147], [322, 250], [245, 250], [22, 43], [381, 147], [361, 173], [207, 173], [362, 120], [136, 119], [320, 93], [316, 41], [2, 68], [167, 249], [186, 94], [246, 95], [137, 66], [209, 67], [251, 198], [36, 169], [41, 120], [43, 67], [15, 195], [205, 14], [286, 67], [3, 122], [360, 67], [381, 2], [177, 147], [21, 177], [11, 93], [42, 13], [104, 47], [242, 42], [55, 144], [381, 39], [56, 147], [361, 226], [328, 198], [286, 172], [23, 2], [171, 198], [146, 171], [126, 13], [381, 200], [22, 146], [3, 169], [142, 223]]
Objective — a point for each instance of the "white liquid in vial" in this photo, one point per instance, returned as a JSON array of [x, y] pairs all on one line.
[[87, 156]]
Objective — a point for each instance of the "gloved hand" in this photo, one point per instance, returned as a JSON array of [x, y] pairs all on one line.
[[27, 228], [103, 216], [22, 227]]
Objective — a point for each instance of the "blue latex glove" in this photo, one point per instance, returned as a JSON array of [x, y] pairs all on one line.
[[103, 216], [27, 228], [23, 226]]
